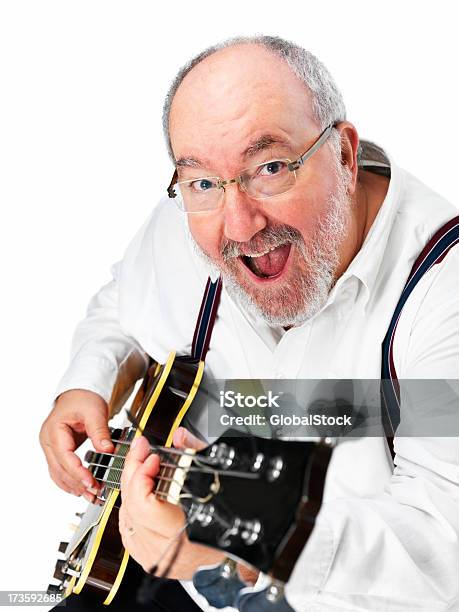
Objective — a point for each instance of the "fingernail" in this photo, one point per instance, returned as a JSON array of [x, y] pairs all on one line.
[[87, 483], [105, 443], [88, 497], [134, 443], [92, 490]]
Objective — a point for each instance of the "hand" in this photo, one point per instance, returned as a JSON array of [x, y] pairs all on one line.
[[147, 525], [76, 415]]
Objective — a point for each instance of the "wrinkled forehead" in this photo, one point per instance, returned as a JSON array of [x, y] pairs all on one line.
[[232, 96]]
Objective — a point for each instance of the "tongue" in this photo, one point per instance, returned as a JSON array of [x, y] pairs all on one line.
[[273, 262]]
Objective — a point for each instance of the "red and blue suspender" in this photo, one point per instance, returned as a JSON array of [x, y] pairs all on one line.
[[206, 319], [433, 253]]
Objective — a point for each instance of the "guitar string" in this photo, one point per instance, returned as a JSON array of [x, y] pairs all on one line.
[[116, 486], [166, 450], [115, 472], [159, 448], [196, 459], [157, 491], [161, 494], [160, 479], [135, 422], [205, 470], [167, 497], [119, 459]]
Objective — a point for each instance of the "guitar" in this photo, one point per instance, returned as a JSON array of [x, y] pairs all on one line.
[[256, 499], [95, 560]]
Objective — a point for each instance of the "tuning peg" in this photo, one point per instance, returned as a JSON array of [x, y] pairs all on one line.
[[60, 571], [54, 588], [63, 547], [79, 514]]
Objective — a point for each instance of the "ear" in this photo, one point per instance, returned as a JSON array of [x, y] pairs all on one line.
[[349, 149]]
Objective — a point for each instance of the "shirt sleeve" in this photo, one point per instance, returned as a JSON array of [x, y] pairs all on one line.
[[400, 550], [99, 344]]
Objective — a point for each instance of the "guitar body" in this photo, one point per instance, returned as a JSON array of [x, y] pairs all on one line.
[[95, 559]]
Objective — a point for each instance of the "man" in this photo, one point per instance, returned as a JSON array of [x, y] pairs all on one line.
[[313, 258]]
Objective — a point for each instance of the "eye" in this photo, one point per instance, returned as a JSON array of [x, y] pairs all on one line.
[[202, 185], [273, 167]]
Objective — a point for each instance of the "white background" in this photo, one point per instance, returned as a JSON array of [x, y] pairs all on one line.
[[82, 162]]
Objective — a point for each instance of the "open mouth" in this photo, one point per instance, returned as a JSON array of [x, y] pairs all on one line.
[[269, 264]]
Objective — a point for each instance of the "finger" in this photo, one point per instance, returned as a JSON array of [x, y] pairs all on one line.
[[73, 466], [97, 429], [185, 439], [59, 475], [139, 451], [62, 480], [142, 479], [63, 446]]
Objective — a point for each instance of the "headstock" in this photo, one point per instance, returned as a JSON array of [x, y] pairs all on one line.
[[251, 497]]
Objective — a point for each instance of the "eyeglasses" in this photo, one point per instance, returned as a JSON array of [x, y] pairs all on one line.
[[262, 181]]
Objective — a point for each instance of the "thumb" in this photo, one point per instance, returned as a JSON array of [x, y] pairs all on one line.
[[97, 429], [184, 439]]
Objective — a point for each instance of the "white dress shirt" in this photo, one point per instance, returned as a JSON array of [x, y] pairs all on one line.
[[383, 541]]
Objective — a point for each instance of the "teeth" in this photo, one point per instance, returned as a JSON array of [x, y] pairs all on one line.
[[261, 254]]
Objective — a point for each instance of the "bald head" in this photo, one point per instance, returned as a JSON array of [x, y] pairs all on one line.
[[241, 96], [237, 62]]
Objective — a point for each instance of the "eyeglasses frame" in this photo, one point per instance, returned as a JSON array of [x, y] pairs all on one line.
[[292, 166]]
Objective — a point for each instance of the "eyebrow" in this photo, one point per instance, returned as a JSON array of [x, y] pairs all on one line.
[[255, 146], [264, 142], [189, 162]]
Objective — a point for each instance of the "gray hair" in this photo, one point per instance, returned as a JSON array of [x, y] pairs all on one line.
[[327, 102]]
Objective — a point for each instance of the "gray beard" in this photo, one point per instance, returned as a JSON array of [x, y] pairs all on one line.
[[319, 259]]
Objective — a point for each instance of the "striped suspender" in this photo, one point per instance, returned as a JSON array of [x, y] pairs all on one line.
[[206, 319], [433, 253]]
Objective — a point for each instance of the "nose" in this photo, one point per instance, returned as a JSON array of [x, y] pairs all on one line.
[[243, 216]]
